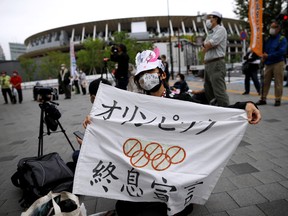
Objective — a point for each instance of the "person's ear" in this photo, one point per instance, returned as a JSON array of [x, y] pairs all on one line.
[[163, 75]]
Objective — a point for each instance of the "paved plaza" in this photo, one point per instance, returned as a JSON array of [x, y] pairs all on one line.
[[254, 182]]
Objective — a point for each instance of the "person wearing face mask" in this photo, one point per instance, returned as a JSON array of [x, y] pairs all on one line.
[[181, 84], [16, 81], [214, 48], [5, 86], [64, 81], [275, 49], [150, 77]]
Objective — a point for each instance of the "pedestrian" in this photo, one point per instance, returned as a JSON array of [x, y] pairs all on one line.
[[119, 55], [64, 81], [5, 87], [180, 85], [76, 81], [252, 60], [16, 81], [166, 65], [214, 48], [275, 49], [83, 81]]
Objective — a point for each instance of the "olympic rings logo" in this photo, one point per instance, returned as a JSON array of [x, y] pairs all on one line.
[[152, 155]]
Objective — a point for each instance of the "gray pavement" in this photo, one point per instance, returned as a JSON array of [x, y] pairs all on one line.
[[254, 182]]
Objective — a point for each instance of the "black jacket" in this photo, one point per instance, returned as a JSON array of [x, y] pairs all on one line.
[[123, 64]]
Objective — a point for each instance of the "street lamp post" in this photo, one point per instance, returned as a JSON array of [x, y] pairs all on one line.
[[170, 43]]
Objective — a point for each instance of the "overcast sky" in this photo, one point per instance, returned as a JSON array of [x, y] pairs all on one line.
[[20, 19]]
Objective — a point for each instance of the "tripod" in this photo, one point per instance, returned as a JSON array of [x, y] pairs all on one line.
[[44, 107], [106, 71]]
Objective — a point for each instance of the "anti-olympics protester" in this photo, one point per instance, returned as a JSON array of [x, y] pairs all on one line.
[[275, 49], [16, 81], [5, 86], [214, 48], [150, 77], [64, 81]]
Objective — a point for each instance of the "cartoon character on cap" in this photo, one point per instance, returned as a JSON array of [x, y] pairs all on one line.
[[212, 19], [150, 73]]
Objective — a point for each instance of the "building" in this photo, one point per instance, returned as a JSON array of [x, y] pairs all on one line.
[[2, 55], [16, 49], [154, 29]]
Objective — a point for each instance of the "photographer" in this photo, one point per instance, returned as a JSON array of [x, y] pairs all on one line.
[[119, 55]]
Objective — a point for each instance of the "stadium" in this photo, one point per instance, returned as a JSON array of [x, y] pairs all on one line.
[[155, 29]]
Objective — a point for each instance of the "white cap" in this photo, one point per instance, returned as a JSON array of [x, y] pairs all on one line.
[[148, 60], [214, 13]]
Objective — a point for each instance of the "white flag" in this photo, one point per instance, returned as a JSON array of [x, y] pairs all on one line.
[[146, 148], [72, 60]]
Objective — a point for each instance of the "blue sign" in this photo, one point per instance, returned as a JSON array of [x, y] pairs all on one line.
[[243, 35]]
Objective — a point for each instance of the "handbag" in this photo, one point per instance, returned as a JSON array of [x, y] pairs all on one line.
[[56, 204], [245, 67]]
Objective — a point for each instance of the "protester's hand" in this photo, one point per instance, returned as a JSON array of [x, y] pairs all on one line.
[[197, 91], [79, 141], [264, 57], [86, 121], [253, 114]]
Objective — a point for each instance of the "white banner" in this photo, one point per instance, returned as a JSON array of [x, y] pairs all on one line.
[[147, 148], [72, 60]]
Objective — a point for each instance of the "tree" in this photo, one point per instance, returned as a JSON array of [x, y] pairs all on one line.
[[133, 47], [272, 9], [29, 66], [50, 64], [91, 57]]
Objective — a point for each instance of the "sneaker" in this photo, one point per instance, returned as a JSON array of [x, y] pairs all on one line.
[[277, 103], [245, 93], [261, 102]]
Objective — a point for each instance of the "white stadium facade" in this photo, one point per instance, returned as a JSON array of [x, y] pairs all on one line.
[[154, 29]]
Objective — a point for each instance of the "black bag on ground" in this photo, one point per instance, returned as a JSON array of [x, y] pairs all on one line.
[[36, 176]]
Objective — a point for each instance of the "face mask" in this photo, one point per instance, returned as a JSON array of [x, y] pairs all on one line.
[[178, 79], [272, 31], [208, 24], [149, 81], [62, 68]]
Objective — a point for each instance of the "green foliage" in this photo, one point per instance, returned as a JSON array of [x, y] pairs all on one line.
[[50, 64], [29, 66], [133, 47], [272, 8], [91, 57]]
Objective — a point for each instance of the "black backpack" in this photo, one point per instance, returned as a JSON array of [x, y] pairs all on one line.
[[36, 176]]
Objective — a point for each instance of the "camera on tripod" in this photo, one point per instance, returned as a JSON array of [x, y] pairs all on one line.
[[45, 93], [114, 48]]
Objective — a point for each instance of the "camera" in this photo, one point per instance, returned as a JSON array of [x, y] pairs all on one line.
[[114, 49], [45, 93]]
